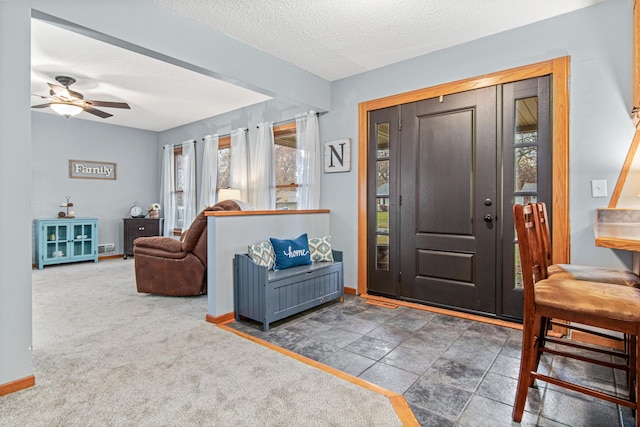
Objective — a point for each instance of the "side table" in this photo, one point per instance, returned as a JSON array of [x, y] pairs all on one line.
[[139, 227]]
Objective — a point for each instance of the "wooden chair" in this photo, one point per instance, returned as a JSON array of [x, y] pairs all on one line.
[[578, 272], [602, 305], [572, 271]]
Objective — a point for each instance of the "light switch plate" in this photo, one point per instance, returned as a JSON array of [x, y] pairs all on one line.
[[599, 188]]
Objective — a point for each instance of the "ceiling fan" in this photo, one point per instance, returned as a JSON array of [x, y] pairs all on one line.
[[67, 102]]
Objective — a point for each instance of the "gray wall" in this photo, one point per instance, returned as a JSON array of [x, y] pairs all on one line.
[[15, 193], [599, 44], [56, 140], [142, 23], [599, 41]]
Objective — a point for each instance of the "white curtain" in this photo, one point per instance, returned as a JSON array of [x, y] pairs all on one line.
[[167, 186], [209, 171], [308, 160], [189, 189], [239, 173], [262, 176]]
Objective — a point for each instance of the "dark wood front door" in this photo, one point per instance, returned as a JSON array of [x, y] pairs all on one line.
[[448, 184], [443, 175]]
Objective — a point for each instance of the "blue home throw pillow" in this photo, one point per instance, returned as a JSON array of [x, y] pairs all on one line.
[[290, 253]]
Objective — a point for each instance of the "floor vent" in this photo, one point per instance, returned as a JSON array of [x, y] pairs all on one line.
[[106, 248]]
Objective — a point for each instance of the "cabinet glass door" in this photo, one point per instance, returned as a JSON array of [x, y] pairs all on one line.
[[57, 237], [82, 239]]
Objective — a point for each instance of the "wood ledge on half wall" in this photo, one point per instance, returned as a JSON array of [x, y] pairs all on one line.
[[271, 212]]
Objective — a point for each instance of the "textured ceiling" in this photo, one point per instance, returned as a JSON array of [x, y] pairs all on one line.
[[330, 38], [161, 95], [339, 38]]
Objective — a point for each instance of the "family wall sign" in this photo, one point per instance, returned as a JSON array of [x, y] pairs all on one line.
[[92, 170]]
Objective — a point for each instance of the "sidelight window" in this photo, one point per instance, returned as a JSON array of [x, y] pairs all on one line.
[[382, 196], [525, 155]]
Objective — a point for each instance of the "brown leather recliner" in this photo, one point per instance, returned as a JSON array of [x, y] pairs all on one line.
[[166, 266]]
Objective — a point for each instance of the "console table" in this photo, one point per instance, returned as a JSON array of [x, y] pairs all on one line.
[[62, 240], [139, 227]]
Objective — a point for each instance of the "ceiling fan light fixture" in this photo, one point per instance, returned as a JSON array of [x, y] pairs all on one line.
[[66, 110]]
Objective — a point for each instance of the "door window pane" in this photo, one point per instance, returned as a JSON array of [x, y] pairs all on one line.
[[518, 283], [382, 253], [523, 200], [527, 119], [382, 177], [382, 139], [382, 215], [526, 168]]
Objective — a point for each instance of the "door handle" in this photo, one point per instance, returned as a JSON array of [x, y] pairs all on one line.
[[488, 218]]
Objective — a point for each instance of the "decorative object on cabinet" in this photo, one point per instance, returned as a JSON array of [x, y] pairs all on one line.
[[154, 210], [67, 213], [139, 227], [136, 211], [62, 240]]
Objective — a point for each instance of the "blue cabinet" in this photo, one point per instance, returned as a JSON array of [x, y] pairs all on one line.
[[66, 240]]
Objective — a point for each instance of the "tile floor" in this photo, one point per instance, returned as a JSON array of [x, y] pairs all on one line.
[[451, 371]]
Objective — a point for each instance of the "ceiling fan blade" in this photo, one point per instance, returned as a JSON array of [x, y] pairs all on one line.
[[64, 92], [98, 113], [59, 90], [41, 105], [108, 104]]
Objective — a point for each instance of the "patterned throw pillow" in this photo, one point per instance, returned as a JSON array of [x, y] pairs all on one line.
[[262, 254], [320, 248], [290, 253]]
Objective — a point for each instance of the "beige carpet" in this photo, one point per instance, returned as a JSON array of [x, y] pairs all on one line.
[[106, 355]]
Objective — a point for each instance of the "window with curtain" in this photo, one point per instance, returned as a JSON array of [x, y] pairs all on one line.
[[285, 153], [209, 180], [262, 180], [308, 160], [239, 173], [286, 159], [178, 187]]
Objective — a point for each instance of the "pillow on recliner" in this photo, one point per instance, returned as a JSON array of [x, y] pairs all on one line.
[[291, 253]]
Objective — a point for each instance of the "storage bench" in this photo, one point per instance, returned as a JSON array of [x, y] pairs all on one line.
[[266, 296]]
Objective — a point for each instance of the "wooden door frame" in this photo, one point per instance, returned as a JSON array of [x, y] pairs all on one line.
[[559, 70]]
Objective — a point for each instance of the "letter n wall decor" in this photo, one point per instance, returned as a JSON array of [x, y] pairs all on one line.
[[337, 155]]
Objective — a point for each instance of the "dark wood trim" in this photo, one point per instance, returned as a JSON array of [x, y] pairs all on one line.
[[350, 291], [222, 319], [17, 385], [559, 70]]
